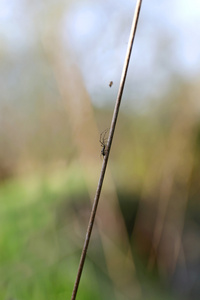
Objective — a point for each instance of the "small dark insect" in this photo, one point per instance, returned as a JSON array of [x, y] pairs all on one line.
[[103, 142], [111, 83]]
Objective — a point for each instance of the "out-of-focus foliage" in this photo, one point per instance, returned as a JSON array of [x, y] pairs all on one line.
[[146, 241]]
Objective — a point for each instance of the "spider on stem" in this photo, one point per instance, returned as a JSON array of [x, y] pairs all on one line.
[[103, 142]]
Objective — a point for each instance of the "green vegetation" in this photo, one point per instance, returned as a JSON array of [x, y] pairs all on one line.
[[38, 256], [147, 230]]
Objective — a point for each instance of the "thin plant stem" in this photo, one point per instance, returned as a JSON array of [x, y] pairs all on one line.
[[108, 147]]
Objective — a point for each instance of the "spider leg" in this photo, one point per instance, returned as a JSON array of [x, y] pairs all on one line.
[[102, 136], [101, 140]]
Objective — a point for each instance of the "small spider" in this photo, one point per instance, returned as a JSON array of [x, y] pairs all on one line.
[[103, 142], [111, 83]]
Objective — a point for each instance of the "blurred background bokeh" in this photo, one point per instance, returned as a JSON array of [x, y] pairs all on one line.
[[57, 58]]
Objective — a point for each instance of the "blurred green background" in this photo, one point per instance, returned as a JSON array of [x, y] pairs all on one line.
[[56, 61]]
